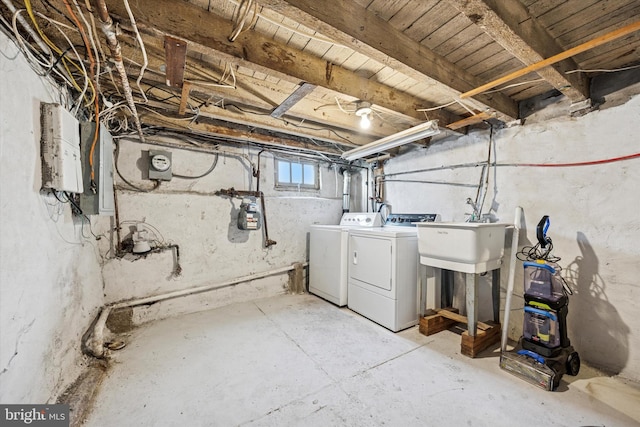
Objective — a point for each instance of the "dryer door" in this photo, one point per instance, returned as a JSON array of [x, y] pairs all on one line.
[[370, 260], [328, 264]]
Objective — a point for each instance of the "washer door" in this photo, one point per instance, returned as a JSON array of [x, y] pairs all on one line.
[[370, 261]]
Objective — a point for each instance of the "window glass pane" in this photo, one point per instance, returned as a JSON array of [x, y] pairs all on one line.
[[309, 174], [300, 175], [284, 175], [296, 173]]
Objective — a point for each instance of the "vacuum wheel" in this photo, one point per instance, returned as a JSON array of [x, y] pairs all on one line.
[[573, 364]]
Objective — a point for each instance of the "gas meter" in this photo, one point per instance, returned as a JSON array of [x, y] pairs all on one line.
[[249, 216]]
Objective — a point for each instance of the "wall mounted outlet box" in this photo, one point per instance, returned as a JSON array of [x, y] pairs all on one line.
[[60, 149], [160, 165]]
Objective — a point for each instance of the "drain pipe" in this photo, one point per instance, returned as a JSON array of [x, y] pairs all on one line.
[[116, 52], [512, 276], [95, 342]]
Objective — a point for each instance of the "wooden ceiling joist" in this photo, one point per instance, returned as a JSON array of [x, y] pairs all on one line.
[[508, 23], [254, 95], [255, 51], [230, 135], [313, 131], [352, 25], [598, 41]]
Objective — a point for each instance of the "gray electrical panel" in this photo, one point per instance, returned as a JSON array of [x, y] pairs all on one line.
[[98, 199]]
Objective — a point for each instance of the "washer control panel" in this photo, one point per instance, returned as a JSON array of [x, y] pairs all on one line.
[[362, 219], [407, 220]]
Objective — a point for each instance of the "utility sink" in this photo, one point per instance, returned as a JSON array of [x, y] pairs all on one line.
[[469, 247]]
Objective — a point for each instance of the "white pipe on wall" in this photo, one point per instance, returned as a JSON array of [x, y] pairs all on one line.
[[511, 280], [95, 342]]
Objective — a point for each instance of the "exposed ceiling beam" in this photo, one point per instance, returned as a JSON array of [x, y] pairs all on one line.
[[600, 40], [206, 128], [352, 25], [258, 52], [508, 23], [255, 95], [251, 95], [288, 129]]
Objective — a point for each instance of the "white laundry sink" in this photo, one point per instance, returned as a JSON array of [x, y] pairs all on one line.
[[469, 247]]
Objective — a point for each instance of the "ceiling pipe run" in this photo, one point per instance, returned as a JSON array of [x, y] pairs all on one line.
[[116, 52]]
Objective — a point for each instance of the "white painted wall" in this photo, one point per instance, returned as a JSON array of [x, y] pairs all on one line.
[[595, 225], [212, 248], [50, 280]]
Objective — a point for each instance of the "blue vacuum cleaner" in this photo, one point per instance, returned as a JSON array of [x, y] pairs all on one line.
[[544, 352]]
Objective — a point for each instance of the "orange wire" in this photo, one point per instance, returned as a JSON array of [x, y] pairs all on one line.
[[91, 76]]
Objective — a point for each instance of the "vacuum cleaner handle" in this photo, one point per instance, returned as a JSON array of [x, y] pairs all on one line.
[[541, 231], [531, 354]]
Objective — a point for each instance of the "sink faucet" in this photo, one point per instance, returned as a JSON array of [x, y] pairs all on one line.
[[475, 216]]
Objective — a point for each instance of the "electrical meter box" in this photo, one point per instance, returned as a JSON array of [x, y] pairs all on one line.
[[98, 199], [249, 216], [160, 165]]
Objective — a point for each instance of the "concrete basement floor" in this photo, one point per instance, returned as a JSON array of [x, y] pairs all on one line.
[[296, 360]]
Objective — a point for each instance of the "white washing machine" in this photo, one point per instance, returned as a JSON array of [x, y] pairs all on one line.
[[328, 251], [383, 267]]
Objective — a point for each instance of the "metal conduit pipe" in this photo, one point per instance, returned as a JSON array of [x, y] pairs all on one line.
[[346, 190], [439, 168], [95, 342], [116, 52], [41, 44], [34, 35], [422, 181]]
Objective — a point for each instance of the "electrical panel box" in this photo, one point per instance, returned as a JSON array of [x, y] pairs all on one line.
[[60, 149], [98, 199], [160, 165]]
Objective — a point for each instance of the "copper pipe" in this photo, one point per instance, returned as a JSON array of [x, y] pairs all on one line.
[[116, 52]]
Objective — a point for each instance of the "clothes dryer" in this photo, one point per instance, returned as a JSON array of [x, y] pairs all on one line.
[[328, 251]]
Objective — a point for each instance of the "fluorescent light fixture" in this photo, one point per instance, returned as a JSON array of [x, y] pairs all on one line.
[[415, 133]]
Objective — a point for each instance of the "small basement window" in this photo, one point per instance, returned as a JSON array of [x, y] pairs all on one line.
[[295, 174]]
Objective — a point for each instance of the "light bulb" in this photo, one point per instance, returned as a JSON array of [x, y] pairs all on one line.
[[365, 122]]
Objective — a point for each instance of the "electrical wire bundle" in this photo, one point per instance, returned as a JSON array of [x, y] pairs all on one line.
[[536, 252]]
